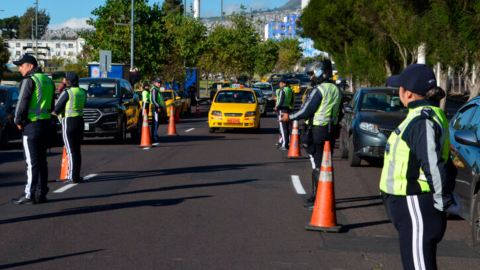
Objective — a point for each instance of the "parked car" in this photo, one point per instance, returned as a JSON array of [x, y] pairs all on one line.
[[8, 103], [465, 152], [267, 90], [295, 85], [370, 117], [262, 102], [214, 87], [9, 74], [186, 103], [112, 109], [305, 83]]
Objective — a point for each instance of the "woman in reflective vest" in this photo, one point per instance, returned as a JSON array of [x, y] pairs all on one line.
[[146, 98], [69, 108], [418, 176]]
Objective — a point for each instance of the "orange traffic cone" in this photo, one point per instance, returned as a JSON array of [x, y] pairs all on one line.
[[198, 109], [294, 150], [64, 170], [172, 130], [146, 140], [324, 217], [177, 115]]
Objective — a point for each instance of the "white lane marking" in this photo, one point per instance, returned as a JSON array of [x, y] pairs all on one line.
[[188, 130], [156, 144], [66, 187], [298, 185], [88, 177], [146, 148]]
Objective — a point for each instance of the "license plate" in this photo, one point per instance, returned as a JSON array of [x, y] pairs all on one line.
[[87, 126], [233, 121]]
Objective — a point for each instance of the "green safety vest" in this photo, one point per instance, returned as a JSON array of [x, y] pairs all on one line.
[[146, 96], [394, 179], [76, 102], [287, 101], [40, 106], [329, 107], [159, 97]]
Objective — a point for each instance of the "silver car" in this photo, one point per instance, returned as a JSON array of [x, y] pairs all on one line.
[[261, 101], [267, 90]]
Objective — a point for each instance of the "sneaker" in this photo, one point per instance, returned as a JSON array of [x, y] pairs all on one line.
[[282, 148], [23, 200], [278, 144], [309, 206], [311, 199]]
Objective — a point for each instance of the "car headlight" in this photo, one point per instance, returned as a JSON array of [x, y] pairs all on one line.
[[248, 114], [217, 113], [369, 127], [110, 110]]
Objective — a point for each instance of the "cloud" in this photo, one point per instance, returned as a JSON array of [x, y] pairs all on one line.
[[73, 23]]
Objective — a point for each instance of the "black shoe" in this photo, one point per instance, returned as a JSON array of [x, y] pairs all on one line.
[[23, 200], [309, 206], [278, 144], [311, 199], [78, 180], [42, 200]]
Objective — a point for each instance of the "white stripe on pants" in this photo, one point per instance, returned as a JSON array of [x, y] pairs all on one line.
[[417, 231], [28, 159], [67, 148]]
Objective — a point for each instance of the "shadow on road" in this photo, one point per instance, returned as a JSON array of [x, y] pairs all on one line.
[[18, 264], [102, 208], [347, 227], [357, 199]]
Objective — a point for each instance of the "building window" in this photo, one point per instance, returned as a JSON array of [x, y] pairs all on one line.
[[39, 44], [58, 53], [57, 45], [17, 52], [70, 45], [17, 45], [29, 44], [64, 53]]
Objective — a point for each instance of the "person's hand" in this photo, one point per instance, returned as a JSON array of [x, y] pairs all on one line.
[[454, 208], [285, 118], [275, 108], [159, 109], [20, 127]]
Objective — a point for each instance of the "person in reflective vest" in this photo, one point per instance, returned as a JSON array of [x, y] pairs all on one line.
[[33, 117], [158, 105], [418, 176], [69, 108], [322, 110], [146, 97], [284, 104]]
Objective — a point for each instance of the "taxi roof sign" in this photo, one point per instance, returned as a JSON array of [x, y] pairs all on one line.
[[236, 85]]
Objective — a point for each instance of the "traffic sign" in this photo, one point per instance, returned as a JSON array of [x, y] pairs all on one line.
[[105, 61]]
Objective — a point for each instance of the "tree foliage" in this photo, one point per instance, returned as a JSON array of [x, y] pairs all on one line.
[[289, 52], [267, 57], [174, 7], [10, 27], [25, 26], [4, 56]]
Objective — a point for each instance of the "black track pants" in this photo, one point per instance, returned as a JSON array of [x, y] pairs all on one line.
[[35, 141], [72, 129], [284, 128], [420, 228], [320, 136]]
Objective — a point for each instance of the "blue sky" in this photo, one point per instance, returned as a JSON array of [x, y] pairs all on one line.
[[73, 13]]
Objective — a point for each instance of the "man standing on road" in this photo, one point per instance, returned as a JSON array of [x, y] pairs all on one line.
[[192, 91], [283, 104], [158, 104], [69, 108], [418, 176], [146, 98], [33, 117], [322, 110]]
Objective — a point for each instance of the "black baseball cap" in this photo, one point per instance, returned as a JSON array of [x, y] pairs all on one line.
[[71, 77], [157, 80], [416, 78], [146, 84], [26, 59]]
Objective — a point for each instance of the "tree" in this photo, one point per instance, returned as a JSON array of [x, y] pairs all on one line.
[[289, 52], [25, 27], [174, 7], [4, 56], [267, 57], [10, 27], [151, 51]]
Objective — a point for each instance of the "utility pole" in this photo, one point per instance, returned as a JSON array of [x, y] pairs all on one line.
[[32, 34], [36, 30], [131, 36]]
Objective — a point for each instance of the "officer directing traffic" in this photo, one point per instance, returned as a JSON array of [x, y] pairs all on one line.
[[284, 104], [69, 108], [33, 118], [158, 104], [418, 175], [321, 109]]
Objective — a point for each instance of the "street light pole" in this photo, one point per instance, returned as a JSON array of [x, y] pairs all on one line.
[[36, 30], [131, 37]]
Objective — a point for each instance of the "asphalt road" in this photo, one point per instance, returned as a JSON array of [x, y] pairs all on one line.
[[201, 201]]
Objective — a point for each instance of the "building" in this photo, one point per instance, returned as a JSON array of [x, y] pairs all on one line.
[[47, 49], [287, 28]]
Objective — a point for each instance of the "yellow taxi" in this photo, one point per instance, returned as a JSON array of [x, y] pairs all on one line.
[[186, 102], [295, 85], [171, 98], [234, 108]]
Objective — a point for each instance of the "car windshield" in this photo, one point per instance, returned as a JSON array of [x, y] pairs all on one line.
[[294, 81], [100, 89], [3, 98], [224, 85], [382, 101], [305, 80], [167, 95], [235, 97], [258, 92], [263, 87]]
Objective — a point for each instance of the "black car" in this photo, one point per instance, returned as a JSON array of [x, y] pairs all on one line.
[[8, 103], [214, 88], [370, 117], [112, 109], [465, 152]]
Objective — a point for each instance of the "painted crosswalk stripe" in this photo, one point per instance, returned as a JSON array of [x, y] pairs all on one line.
[[188, 130], [146, 148], [88, 177], [66, 187], [298, 185]]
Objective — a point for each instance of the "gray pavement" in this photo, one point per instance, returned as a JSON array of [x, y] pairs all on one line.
[[201, 201]]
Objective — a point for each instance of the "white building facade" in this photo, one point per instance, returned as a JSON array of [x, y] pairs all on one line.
[[47, 49]]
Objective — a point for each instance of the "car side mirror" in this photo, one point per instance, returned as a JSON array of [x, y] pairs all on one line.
[[127, 96], [348, 109], [467, 137]]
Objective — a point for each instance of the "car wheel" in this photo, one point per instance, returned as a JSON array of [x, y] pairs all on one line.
[[121, 137], [5, 138], [353, 159], [211, 130], [189, 110], [137, 133], [257, 130], [342, 148], [476, 223]]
